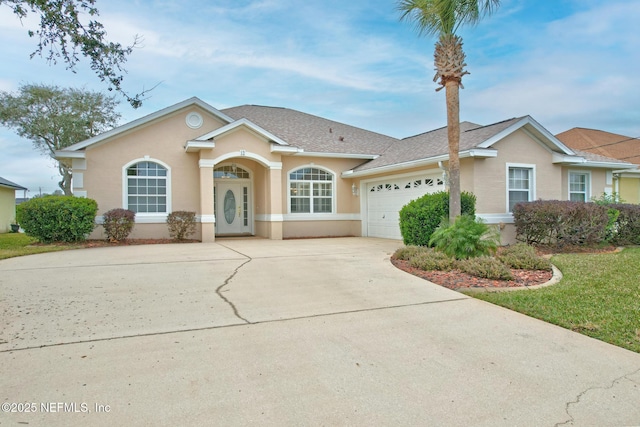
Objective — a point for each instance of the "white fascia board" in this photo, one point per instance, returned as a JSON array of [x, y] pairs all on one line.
[[339, 155], [149, 118], [480, 153], [239, 123], [418, 163], [549, 136], [395, 167], [288, 149], [194, 146], [567, 159], [65, 154], [527, 120], [627, 173], [608, 165]]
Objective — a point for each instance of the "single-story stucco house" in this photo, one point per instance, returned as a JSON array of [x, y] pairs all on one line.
[[8, 203], [281, 173], [626, 182]]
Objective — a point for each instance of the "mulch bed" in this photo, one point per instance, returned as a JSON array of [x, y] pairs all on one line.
[[458, 280]]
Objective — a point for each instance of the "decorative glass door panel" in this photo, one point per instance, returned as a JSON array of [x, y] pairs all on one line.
[[232, 208]]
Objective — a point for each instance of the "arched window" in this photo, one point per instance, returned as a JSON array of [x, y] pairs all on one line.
[[147, 188], [311, 191], [230, 172]]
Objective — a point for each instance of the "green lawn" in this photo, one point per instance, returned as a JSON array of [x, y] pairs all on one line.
[[19, 244], [599, 296]]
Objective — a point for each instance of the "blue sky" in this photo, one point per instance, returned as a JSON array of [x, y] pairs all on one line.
[[567, 63]]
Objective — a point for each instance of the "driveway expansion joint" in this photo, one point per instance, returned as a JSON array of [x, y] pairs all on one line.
[[568, 405], [233, 325]]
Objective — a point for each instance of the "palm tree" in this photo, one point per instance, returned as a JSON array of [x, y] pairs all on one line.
[[443, 18]]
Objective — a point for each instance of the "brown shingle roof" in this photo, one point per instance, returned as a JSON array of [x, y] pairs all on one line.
[[603, 143]]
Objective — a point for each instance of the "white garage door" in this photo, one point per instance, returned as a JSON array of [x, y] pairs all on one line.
[[386, 198]]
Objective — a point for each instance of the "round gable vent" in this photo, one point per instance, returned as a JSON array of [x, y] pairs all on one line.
[[194, 120]]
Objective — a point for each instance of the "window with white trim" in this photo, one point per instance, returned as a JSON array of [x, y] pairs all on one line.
[[147, 188], [579, 186], [521, 181], [311, 191]]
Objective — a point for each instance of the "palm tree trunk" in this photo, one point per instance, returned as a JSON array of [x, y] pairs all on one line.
[[452, 90]]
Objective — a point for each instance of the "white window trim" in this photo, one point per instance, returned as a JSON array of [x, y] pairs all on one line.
[[532, 190], [147, 217], [587, 196], [334, 190]]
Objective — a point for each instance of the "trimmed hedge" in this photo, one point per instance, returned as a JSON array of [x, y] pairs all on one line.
[[627, 225], [118, 224], [419, 218], [560, 223], [57, 218]]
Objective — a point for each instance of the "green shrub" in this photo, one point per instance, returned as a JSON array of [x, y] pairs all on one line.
[[118, 223], [181, 224], [608, 199], [523, 257], [465, 238], [57, 218], [486, 267], [419, 218], [431, 260]]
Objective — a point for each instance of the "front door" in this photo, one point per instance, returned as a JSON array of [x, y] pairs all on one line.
[[232, 208]]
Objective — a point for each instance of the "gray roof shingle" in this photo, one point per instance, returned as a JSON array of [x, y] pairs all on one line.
[[319, 135], [312, 133], [436, 143], [7, 183]]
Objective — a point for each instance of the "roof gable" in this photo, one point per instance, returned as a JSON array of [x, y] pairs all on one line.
[[238, 124], [194, 101]]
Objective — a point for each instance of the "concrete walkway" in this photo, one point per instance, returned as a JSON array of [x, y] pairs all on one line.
[[299, 332]]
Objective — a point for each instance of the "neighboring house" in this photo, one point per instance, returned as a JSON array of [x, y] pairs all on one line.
[[281, 173], [8, 204], [621, 147]]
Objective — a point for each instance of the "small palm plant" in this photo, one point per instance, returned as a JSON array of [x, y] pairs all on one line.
[[465, 238]]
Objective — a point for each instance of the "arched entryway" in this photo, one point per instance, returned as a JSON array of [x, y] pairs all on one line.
[[232, 199]]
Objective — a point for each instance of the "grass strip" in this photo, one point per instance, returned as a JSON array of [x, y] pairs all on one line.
[[599, 296], [19, 244]]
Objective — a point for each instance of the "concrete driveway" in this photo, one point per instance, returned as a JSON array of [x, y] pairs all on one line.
[[298, 332]]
